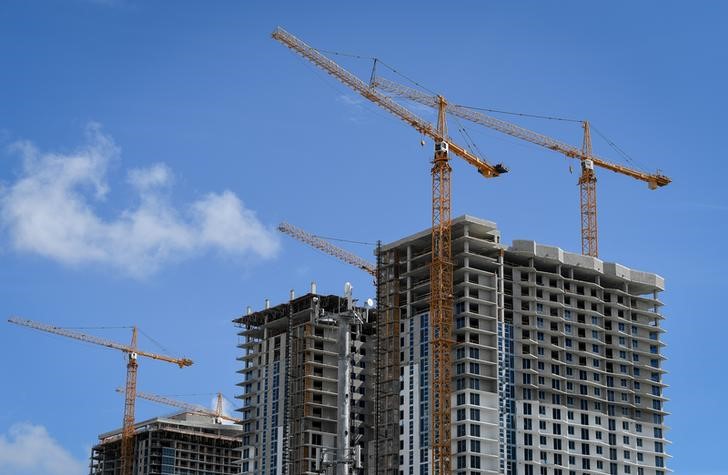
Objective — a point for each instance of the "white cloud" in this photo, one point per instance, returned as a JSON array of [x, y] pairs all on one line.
[[50, 211], [28, 449], [145, 179]]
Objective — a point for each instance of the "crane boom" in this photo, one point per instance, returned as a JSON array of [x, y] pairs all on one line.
[[654, 180], [327, 247], [383, 101], [181, 362], [184, 405]]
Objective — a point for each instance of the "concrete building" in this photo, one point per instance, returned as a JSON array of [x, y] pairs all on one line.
[[182, 444], [557, 366], [557, 360], [290, 386]]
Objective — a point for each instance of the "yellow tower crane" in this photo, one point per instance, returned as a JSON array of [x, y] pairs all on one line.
[[216, 413], [441, 270], [132, 352], [587, 180]]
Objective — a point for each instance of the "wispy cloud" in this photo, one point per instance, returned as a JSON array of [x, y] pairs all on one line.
[[49, 211], [28, 449], [350, 100]]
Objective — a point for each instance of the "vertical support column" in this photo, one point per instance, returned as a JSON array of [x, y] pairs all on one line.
[[588, 199], [441, 304], [505, 379], [387, 404], [343, 449], [378, 355], [286, 442], [127, 431]]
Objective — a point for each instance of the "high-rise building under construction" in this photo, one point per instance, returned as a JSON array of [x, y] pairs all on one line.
[[557, 364], [185, 443], [291, 399]]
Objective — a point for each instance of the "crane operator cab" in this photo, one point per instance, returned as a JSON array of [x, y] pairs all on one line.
[[441, 148]]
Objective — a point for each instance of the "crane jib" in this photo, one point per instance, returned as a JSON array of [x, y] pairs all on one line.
[[368, 92]]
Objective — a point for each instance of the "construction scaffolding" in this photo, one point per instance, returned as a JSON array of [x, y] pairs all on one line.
[[385, 459]]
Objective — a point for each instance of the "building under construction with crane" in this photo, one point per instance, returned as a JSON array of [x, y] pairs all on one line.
[[307, 386], [498, 359], [479, 357], [557, 364], [187, 443]]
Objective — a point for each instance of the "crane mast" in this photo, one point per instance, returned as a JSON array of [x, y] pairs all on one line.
[[587, 180], [132, 353], [588, 199], [441, 301], [127, 429]]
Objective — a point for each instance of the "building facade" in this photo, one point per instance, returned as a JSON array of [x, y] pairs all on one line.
[[557, 367], [182, 444], [290, 385], [557, 360]]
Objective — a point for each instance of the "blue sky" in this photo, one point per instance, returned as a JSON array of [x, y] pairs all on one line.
[[148, 149]]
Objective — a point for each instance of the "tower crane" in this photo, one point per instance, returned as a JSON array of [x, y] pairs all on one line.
[[441, 269], [325, 246], [217, 413], [587, 180], [132, 352]]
